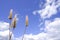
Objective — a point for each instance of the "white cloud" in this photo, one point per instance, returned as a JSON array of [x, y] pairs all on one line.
[[4, 25], [49, 10], [4, 31], [47, 22], [53, 29]]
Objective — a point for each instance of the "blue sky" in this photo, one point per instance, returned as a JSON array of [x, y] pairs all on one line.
[[22, 8], [43, 16]]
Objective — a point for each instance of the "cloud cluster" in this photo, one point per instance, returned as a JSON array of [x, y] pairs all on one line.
[[4, 25], [4, 30], [52, 28], [52, 32], [50, 8]]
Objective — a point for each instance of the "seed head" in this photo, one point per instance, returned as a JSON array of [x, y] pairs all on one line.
[[13, 24], [10, 15], [26, 20]]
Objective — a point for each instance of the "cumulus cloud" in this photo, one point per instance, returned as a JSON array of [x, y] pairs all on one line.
[[52, 28], [4, 26], [4, 30], [50, 8]]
